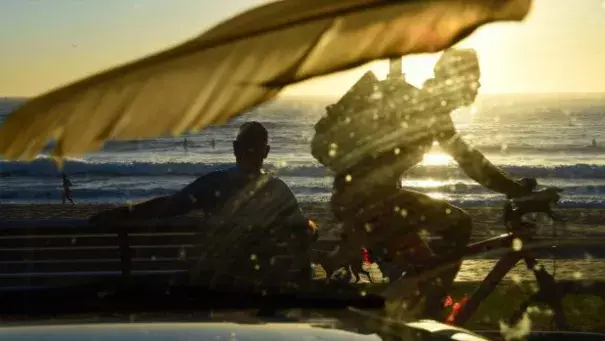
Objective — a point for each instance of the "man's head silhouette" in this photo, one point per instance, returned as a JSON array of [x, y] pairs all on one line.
[[250, 147]]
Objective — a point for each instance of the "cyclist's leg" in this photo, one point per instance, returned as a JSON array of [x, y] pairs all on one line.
[[433, 218]]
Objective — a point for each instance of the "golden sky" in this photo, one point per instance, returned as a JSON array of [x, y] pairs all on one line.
[[559, 48]]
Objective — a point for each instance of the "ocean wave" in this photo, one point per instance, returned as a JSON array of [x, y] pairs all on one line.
[[46, 167], [293, 139], [547, 149], [113, 195], [475, 188], [566, 203], [101, 194], [577, 171]]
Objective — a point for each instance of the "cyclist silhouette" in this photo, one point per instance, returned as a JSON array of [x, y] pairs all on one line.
[[373, 136]]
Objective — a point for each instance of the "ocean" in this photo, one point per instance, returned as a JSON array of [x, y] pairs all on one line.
[[548, 137]]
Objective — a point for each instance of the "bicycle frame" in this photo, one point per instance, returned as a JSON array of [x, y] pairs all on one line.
[[546, 282]]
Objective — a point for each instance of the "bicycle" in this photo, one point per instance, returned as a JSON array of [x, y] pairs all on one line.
[[520, 235]]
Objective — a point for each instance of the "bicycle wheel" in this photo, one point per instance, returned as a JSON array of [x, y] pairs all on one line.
[[561, 313]]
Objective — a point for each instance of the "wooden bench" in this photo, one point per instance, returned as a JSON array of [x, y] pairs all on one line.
[[42, 253]]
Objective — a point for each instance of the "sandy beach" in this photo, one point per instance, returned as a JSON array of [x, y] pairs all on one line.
[[582, 223]]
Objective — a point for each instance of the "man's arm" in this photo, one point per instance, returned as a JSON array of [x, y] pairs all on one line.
[[298, 225], [474, 164], [166, 206], [179, 203], [182, 202]]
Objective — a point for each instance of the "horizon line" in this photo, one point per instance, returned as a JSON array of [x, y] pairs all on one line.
[[281, 96]]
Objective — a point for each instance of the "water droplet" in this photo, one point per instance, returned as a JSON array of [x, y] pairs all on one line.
[[403, 212], [396, 151], [518, 331], [348, 178], [363, 293], [367, 227], [376, 95], [332, 153], [257, 267], [517, 244], [448, 211], [423, 234]]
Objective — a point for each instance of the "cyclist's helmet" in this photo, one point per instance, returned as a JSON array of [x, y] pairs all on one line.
[[457, 76]]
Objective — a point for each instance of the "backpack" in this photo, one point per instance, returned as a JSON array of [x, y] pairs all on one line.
[[368, 120]]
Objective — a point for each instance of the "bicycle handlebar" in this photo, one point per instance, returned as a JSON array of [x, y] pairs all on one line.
[[537, 202]]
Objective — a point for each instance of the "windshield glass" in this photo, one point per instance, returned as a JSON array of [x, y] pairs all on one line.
[[409, 179]]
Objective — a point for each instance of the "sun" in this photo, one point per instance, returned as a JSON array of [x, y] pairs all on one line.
[[436, 159]]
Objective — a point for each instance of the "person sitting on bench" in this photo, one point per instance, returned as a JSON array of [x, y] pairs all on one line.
[[251, 212]]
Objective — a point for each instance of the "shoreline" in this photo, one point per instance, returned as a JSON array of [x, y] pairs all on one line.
[[487, 220]]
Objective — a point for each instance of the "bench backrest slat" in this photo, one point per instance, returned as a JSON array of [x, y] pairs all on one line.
[[71, 251]]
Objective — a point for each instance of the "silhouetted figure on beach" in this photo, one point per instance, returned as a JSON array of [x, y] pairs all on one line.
[[374, 138], [243, 199], [213, 144], [594, 142], [186, 145], [66, 190]]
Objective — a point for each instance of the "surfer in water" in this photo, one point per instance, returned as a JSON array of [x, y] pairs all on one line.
[[594, 143], [213, 144], [186, 145], [66, 192]]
